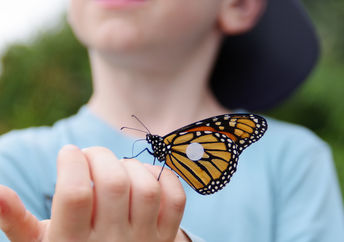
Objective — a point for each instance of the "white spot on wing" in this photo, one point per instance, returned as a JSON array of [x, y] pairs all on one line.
[[194, 151]]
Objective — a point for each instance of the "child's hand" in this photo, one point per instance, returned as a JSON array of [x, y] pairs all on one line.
[[125, 203]]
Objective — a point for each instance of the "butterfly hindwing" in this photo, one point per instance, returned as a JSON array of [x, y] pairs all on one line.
[[205, 160]]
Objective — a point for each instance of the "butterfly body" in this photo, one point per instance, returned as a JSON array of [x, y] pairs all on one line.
[[205, 153], [158, 146]]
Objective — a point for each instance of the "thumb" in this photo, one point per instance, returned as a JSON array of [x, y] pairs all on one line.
[[15, 221]]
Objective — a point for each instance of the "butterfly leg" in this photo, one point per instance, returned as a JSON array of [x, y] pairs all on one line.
[[139, 154], [161, 170], [132, 148]]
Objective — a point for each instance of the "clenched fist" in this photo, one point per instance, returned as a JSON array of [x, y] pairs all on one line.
[[101, 198]]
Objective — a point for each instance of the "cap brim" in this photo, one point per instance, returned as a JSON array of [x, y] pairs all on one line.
[[261, 68]]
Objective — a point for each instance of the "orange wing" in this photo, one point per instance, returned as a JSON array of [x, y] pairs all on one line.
[[220, 140], [243, 129], [216, 164]]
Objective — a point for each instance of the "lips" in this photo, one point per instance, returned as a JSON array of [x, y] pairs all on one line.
[[119, 3]]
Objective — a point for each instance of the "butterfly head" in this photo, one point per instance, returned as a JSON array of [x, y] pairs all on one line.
[[158, 146]]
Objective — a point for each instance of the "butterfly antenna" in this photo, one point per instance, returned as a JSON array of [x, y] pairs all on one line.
[[134, 129], [140, 122]]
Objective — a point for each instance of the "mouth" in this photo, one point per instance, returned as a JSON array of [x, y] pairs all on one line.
[[119, 3]]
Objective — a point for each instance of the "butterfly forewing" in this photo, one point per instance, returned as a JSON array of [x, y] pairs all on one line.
[[243, 129], [205, 160]]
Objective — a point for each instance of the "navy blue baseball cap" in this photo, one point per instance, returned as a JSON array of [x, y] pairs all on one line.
[[261, 68]]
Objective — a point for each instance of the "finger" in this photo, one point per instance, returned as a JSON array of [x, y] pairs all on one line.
[[112, 187], [172, 200], [145, 198], [72, 202], [15, 221]]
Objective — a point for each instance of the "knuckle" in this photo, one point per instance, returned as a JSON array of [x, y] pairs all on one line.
[[149, 192], [116, 185], [178, 202], [77, 196]]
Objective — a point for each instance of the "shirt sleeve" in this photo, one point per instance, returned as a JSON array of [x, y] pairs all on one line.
[[309, 206]]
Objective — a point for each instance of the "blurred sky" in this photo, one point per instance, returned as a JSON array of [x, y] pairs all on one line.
[[19, 20]]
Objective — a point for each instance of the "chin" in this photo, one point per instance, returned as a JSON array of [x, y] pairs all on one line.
[[115, 37]]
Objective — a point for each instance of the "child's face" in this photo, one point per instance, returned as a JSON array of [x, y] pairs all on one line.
[[145, 25]]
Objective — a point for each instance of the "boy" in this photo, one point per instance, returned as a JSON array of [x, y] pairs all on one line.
[[153, 59]]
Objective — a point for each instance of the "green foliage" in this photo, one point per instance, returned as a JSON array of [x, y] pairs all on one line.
[[43, 81], [328, 17]]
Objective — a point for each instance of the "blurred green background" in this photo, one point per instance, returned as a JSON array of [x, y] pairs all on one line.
[[49, 78]]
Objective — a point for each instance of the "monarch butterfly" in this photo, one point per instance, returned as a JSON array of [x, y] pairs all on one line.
[[205, 153]]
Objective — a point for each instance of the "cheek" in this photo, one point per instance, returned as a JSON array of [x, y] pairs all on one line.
[[77, 17]]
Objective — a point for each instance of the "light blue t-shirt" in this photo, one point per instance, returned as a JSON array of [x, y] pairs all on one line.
[[285, 188]]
